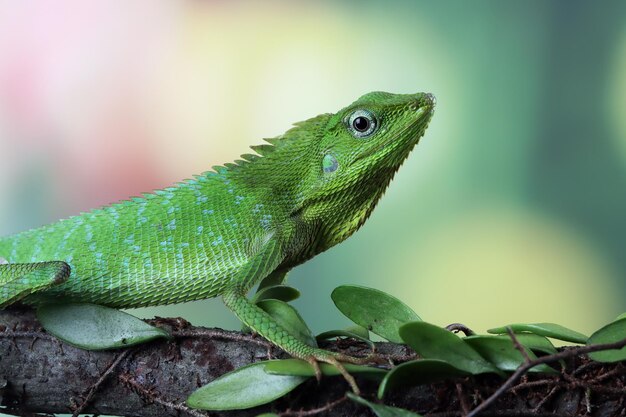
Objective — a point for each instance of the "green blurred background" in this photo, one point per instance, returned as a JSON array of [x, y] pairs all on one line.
[[511, 208]]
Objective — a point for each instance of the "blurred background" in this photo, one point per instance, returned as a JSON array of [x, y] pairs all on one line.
[[511, 209]]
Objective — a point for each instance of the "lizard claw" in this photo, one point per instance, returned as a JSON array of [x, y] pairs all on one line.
[[346, 375], [316, 368], [333, 359]]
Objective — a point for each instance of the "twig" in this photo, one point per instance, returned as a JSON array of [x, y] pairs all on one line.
[[546, 398], [21, 413], [220, 334], [27, 334], [586, 366], [459, 327], [573, 383], [150, 397], [518, 345], [459, 392], [313, 411], [522, 369], [533, 384], [588, 400], [614, 372], [503, 413], [100, 381]]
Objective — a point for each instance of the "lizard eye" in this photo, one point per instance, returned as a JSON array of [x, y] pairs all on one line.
[[361, 123]]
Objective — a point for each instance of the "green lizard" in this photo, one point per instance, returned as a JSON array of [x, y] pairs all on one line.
[[226, 230]]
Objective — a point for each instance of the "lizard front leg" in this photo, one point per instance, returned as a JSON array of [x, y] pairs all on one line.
[[265, 325], [260, 266]]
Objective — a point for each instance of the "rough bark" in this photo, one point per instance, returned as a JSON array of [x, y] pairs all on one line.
[[39, 374]]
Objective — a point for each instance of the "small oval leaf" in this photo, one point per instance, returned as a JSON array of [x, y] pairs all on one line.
[[343, 333], [417, 372], [555, 331], [297, 367], [287, 316], [242, 388], [276, 292], [502, 353], [382, 410], [95, 327], [358, 330], [375, 310], [434, 342], [611, 333], [275, 278]]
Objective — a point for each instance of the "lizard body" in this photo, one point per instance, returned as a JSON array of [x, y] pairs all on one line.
[[223, 231]]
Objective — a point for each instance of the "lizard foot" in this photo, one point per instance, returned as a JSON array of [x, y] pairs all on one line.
[[336, 359], [333, 359]]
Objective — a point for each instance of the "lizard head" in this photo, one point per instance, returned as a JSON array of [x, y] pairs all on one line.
[[331, 170], [357, 152]]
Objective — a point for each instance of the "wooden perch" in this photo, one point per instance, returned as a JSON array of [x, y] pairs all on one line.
[[39, 374]]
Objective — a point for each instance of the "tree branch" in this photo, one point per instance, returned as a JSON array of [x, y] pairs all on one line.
[[39, 374]]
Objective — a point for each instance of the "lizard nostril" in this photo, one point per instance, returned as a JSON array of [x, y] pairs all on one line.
[[430, 100], [425, 100]]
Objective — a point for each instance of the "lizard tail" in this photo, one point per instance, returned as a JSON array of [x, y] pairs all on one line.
[[19, 280]]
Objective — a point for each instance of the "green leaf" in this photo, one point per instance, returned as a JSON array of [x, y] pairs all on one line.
[[273, 279], [95, 327], [343, 333], [421, 371], [611, 333], [359, 330], [243, 388], [373, 309], [297, 367], [434, 342], [287, 316], [276, 292], [555, 331], [621, 316], [382, 410], [502, 353]]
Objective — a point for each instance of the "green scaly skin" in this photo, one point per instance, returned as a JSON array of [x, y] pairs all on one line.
[[226, 230]]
